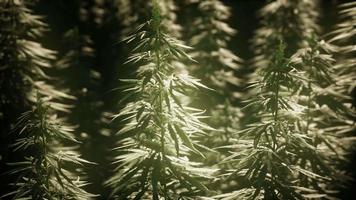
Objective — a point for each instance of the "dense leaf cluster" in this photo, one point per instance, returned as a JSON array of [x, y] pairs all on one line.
[[216, 67], [291, 21], [23, 58], [188, 127], [42, 174], [159, 135]]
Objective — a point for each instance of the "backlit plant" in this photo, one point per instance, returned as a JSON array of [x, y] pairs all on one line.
[[24, 59], [158, 138], [275, 156], [216, 67], [45, 172], [192, 123]]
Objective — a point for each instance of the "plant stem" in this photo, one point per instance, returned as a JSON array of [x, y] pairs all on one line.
[[277, 109], [308, 108]]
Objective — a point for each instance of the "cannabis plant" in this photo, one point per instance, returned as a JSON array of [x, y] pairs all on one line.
[[158, 139], [133, 13], [274, 156], [289, 20], [327, 118], [344, 75], [27, 62], [23, 59], [344, 36], [210, 35], [45, 172]]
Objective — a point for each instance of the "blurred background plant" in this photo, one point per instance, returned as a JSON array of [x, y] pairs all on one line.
[[69, 52]]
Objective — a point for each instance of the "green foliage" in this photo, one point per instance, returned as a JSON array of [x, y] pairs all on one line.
[[210, 37], [23, 58], [344, 36], [44, 172], [291, 139], [134, 13], [291, 21], [216, 67], [158, 138], [283, 155], [325, 110]]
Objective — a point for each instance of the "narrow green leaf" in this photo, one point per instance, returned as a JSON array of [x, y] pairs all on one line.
[[173, 133]]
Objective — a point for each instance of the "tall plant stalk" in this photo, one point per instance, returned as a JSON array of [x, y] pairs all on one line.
[[210, 36], [43, 168], [133, 13], [325, 110], [158, 139], [275, 156], [217, 67], [24, 59], [45, 173], [290, 21]]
